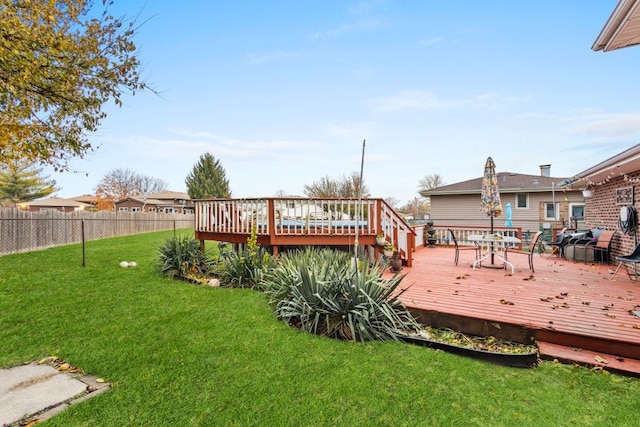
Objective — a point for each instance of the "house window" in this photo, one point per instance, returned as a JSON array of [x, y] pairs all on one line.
[[522, 201], [576, 211], [123, 209], [136, 209], [551, 211]]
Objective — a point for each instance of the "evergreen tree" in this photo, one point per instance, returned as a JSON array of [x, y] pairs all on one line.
[[207, 179], [21, 181]]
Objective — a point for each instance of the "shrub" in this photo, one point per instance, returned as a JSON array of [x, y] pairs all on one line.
[[325, 293], [245, 269], [181, 257]]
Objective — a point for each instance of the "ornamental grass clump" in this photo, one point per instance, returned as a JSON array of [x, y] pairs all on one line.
[[323, 292], [246, 268], [181, 257]]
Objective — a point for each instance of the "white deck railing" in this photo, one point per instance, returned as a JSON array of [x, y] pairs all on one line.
[[304, 217]]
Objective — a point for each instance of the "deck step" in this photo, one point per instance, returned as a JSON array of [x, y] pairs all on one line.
[[589, 358]]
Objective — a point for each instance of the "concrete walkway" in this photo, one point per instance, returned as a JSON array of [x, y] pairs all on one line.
[[39, 391]]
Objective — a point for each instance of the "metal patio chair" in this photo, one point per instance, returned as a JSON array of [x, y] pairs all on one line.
[[529, 253], [459, 248], [632, 258]]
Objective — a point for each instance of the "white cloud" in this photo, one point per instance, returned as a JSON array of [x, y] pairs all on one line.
[[261, 58], [423, 100], [356, 27]]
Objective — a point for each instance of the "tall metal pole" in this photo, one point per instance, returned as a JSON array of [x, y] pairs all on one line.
[[553, 201], [359, 207]]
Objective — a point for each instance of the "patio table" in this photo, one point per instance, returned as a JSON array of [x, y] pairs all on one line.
[[491, 245]]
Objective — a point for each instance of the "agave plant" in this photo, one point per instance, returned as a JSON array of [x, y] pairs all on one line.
[[182, 257], [324, 292]]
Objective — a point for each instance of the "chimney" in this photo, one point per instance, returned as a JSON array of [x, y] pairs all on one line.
[[545, 170]]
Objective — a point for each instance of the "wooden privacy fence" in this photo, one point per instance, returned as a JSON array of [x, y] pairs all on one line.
[[22, 231]]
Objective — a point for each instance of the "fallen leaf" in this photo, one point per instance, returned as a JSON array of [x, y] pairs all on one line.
[[613, 316], [64, 367], [600, 359], [586, 302], [506, 302], [100, 380], [565, 305], [564, 294], [547, 299], [554, 306]]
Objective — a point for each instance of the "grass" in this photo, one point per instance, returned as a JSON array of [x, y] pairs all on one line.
[[187, 355]]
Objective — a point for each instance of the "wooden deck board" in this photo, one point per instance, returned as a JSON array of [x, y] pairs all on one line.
[[563, 302]]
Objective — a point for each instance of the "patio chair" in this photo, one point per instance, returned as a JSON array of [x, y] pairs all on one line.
[[459, 248], [529, 253], [600, 246], [558, 244], [633, 258]]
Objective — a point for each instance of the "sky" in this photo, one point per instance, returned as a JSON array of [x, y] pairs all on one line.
[[284, 92]]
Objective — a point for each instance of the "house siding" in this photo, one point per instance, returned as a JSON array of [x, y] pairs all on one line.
[[464, 209]]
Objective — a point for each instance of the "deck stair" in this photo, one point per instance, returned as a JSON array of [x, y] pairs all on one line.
[[589, 358]]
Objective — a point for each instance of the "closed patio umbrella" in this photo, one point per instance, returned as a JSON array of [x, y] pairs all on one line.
[[507, 212], [490, 196]]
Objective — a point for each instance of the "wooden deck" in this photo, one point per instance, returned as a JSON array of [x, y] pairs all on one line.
[[572, 310], [286, 222]]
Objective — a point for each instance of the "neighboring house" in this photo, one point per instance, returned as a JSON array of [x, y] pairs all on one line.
[[86, 198], [165, 202], [611, 185], [536, 201], [54, 204]]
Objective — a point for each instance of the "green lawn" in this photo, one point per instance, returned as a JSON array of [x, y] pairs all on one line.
[[180, 355]]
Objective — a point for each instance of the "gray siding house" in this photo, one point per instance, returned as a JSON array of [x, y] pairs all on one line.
[[537, 201]]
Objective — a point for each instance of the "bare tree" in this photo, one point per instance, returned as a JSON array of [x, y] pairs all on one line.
[[417, 207], [120, 183], [392, 201], [344, 186], [429, 182]]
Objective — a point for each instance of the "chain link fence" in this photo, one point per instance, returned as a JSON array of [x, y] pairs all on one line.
[[22, 231]]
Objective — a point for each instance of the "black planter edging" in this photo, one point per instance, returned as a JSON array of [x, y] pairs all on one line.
[[517, 360]]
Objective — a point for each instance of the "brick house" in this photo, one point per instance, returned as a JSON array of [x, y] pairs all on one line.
[[612, 185], [54, 204], [165, 202], [90, 199]]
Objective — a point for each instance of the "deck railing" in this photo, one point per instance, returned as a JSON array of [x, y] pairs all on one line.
[[462, 233], [279, 221]]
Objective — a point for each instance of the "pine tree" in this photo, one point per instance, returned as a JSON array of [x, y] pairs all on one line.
[[21, 181], [207, 179]]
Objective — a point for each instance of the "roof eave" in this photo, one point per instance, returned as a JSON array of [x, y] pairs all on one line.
[[609, 37]]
